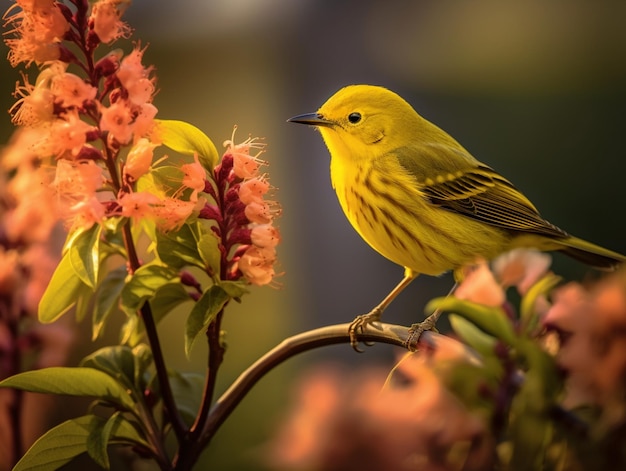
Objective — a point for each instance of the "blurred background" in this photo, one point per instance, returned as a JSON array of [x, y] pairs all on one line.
[[535, 89]]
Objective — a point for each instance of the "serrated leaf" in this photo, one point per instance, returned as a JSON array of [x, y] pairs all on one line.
[[143, 285], [79, 381], [107, 298], [178, 248], [492, 320], [84, 254], [63, 291], [204, 311], [66, 441], [188, 139]]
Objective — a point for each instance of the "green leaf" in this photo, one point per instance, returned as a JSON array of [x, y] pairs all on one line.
[[143, 285], [168, 297], [63, 291], [188, 139], [179, 248], [209, 249], [66, 441], [84, 254], [98, 440], [204, 311], [542, 287], [127, 365], [107, 298], [72, 382], [492, 320], [235, 289], [187, 389], [472, 335]]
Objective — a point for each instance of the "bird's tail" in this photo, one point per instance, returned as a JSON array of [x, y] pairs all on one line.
[[591, 254]]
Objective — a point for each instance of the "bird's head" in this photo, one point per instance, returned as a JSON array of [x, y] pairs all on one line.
[[363, 120]]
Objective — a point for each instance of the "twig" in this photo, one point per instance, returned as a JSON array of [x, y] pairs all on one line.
[[155, 345], [290, 347]]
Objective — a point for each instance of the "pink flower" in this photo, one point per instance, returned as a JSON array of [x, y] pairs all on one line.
[[38, 29], [265, 235], [252, 190], [342, 420], [259, 212], [591, 326], [144, 120], [257, 264], [195, 175], [117, 120], [72, 91], [521, 268], [135, 78], [67, 135], [35, 212], [35, 104], [105, 20], [86, 213], [171, 213], [77, 181], [138, 205], [21, 147], [481, 287], [245, 165], [139, 159]]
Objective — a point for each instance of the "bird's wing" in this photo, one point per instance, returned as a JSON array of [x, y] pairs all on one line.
[[473, 190]]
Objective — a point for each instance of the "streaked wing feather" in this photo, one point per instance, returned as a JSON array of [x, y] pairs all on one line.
[[452, 179], [484, 195]]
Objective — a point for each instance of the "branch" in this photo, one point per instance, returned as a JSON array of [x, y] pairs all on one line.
[[290, 347], [155, 345]]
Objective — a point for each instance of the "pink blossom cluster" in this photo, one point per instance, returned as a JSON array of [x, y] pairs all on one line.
[[28, 257], [94, 118], [243, 216], [590, 325], [368, 420]]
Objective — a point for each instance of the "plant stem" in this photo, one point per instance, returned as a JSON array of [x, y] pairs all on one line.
[[288, 348], [330, 335], [155, 345], [215, 358]]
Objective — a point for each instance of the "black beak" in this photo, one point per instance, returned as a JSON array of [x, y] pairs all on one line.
[[313, 119]]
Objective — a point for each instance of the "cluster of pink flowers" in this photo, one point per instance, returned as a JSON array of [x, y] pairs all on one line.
[[82, 123], [101, 132], [368, 420], [590, 328], [28, 257], [244, 217]]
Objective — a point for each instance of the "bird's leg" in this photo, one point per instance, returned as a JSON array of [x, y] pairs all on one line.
[[416, 330], [360, 323]]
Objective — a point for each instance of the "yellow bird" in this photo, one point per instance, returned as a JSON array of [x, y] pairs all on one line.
[[420, 199]]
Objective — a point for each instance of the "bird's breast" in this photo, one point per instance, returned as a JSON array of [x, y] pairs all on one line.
[[389, 212]]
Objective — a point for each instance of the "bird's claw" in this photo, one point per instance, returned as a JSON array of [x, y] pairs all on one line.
[[416, 330], [358, 326]]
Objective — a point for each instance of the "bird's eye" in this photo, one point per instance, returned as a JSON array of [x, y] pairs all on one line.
[[354, 117]]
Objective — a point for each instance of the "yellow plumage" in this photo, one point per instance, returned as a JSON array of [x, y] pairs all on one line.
[[419, 198]]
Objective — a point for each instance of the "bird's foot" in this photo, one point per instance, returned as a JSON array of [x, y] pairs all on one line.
[[416, 330], [359, 324]]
